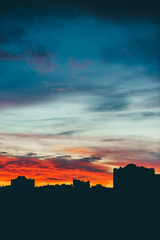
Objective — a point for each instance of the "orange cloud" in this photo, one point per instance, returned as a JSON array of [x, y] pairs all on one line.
[[53, 170], [79, 150], [95, 165]]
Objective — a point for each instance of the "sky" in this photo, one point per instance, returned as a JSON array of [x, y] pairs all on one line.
[[79, 89]]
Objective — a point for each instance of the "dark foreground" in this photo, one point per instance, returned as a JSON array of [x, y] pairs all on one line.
[[79, 214]]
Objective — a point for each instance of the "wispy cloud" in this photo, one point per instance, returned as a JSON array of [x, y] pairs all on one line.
[[36, 58]]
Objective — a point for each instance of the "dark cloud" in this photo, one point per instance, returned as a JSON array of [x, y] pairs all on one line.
[[22, 93], [11, 33], [39, 59], [39, 51], [56, 179], [67, 157], [8, 57], [139, 115], [36, 58], [25, 88], [60, 163], [111, 102], [67, 133], [25, 60], [144, 91], [112, 9], [31, 155], [113, 140], [151, 114], [90, 159], [84, 164], [152, 102]]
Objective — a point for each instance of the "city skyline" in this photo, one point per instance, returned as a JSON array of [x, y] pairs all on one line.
[[130, 171], [126, 180]]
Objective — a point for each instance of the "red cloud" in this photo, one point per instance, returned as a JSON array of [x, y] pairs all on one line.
[[96, 167], [53, 170]]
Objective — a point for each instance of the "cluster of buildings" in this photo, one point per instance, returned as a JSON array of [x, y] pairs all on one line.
[[134, 178], [22, 182], [128, 178]]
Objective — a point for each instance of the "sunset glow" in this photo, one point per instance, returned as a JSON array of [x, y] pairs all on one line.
[[79, 91]]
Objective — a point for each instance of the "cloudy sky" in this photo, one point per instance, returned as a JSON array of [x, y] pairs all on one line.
[[79, 89]]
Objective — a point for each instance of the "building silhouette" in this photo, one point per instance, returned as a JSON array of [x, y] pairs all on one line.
[[81, 185], [134, 178], [22, 183], [130, 178], [74, 209]]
